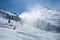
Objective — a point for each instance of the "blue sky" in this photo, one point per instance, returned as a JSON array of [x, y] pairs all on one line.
[[19, 6]]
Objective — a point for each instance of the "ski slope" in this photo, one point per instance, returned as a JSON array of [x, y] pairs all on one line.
[[24, 31]]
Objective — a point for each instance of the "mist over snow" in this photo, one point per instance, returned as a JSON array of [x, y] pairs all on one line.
[[42, 18]]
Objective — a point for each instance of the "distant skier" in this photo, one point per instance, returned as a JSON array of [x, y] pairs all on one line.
[[14, 27], [8, 20]]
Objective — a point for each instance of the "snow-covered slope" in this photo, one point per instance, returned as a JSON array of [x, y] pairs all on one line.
[[8, 15], [27, 30]]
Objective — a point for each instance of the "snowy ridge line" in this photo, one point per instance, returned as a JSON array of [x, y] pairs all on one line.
[[6, 12]]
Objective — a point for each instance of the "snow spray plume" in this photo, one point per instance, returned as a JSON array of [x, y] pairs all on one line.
[[44, 19]]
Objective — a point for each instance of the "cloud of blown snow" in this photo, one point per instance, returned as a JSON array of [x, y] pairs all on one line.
[[31, 14], [35, 16], [36, 11]]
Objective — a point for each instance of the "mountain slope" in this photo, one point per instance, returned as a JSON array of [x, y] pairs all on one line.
[[25, 31]]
